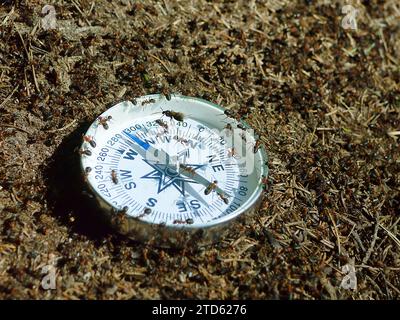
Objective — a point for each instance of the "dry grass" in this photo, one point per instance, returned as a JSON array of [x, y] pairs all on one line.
[[326, 101]]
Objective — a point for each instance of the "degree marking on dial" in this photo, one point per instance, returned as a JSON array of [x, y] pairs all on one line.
[[112, 156], [117, 196], [104, 164], [188, 130]]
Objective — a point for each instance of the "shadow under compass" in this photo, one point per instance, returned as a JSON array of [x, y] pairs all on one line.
[[66, 194]]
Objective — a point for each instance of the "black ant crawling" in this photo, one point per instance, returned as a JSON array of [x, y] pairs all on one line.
[[146, 212], [230, 113], [223, 198], [187, 221], [148, 101], [178, 116]]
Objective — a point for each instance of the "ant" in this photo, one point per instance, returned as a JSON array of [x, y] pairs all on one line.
[[243, 136], [211, 187], [230, 113], [178, 116], [232, 152], [187, 221], [124, 210], [166, 93], [228, 127], [87, 171], [148, 101], [243, 111], [223, 198], [162, 124], [181, 140], [146, 211], [103, 121], [120, 213], [86, 152], [188, 169], [114, 177], [264, 182], [257, 146], [90, 140]]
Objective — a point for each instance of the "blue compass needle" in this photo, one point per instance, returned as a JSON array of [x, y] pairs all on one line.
[[140, 142]]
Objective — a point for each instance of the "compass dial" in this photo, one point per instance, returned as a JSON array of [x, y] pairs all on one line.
[[195, 173]]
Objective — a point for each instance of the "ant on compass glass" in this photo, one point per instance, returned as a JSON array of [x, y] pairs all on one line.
[[187, 221], [89, 140], [87, 171], [114, 177], [187, 169], [223, 198], [243, 136], [146, 212], [164, 127], [148, 101], [162, 124], [123, 211], [211, 187], [228, 129], [178, 116], [257, 146], [85, 152], [103, 121], [181, 140], [232, 153], [230, 113]]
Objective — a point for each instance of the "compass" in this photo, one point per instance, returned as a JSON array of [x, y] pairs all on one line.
[[173, 170]]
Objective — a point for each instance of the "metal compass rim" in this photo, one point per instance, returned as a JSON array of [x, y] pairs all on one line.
[[219, 221]]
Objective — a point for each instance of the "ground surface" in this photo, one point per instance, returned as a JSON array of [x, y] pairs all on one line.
[[326, 101]]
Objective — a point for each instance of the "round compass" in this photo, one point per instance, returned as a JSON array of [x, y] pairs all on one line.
[[172, 170]]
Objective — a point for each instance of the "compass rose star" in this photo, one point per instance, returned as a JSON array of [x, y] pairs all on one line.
[[167, 176]]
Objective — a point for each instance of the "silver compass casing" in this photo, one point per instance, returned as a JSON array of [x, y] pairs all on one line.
[[162, 234]]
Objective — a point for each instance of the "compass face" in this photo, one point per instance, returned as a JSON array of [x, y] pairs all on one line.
[[183, 174]]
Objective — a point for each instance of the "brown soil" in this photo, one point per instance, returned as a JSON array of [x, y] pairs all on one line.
[[326, 101]]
